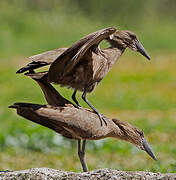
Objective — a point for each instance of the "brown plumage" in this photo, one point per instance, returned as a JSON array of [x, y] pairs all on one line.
[[84, 64], [77, 123]]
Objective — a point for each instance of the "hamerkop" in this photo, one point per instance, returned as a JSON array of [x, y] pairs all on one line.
[[84, 64], [77, 123]]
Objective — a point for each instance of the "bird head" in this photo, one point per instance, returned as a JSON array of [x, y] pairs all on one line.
[[133, 135], [128, 39]]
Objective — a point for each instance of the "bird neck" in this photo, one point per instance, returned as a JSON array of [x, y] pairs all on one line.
[[116, 44], [122, 130], [113, 54]]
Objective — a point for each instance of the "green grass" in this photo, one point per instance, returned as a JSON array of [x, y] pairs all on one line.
[[137, 91], [28, 27]]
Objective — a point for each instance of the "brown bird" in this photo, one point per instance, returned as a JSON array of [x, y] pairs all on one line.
[[77, 123], [84, 64]]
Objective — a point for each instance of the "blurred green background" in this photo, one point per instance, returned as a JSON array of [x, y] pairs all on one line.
[[136, 90]]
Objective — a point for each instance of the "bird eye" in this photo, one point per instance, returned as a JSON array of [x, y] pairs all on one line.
[[133, 36], [140, 133]]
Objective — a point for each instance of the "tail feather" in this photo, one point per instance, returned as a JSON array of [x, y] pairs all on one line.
[[38, 76], [21, 105], [23, 69], [31, 66]]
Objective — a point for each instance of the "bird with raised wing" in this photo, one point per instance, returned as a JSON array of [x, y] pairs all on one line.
[[84, 64]]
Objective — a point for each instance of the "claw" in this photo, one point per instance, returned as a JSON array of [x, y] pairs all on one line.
[[102, 119], [99, 115]]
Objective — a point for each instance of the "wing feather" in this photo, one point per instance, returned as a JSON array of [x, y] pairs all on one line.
[[66, 61], [41, 60]]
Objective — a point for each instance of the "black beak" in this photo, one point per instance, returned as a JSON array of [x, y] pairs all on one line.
[[141, 49], [148, 149]]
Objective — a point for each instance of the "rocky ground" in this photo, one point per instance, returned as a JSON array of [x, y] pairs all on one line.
[[103, 174]]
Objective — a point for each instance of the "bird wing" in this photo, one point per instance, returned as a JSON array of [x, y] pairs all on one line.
[[67, 61], [48, 56], [42, 59]]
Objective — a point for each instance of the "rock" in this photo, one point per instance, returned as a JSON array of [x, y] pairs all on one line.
[[101, 174]]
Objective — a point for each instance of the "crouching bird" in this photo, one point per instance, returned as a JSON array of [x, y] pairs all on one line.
[[62, 117], [84, 64]]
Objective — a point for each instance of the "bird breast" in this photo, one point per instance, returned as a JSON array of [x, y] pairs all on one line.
[[87, 73]]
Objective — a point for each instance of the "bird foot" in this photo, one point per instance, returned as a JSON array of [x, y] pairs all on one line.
[[102, 119]]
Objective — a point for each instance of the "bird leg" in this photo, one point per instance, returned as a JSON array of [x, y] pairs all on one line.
[[74, 98], [81, 154], [96, 111]]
